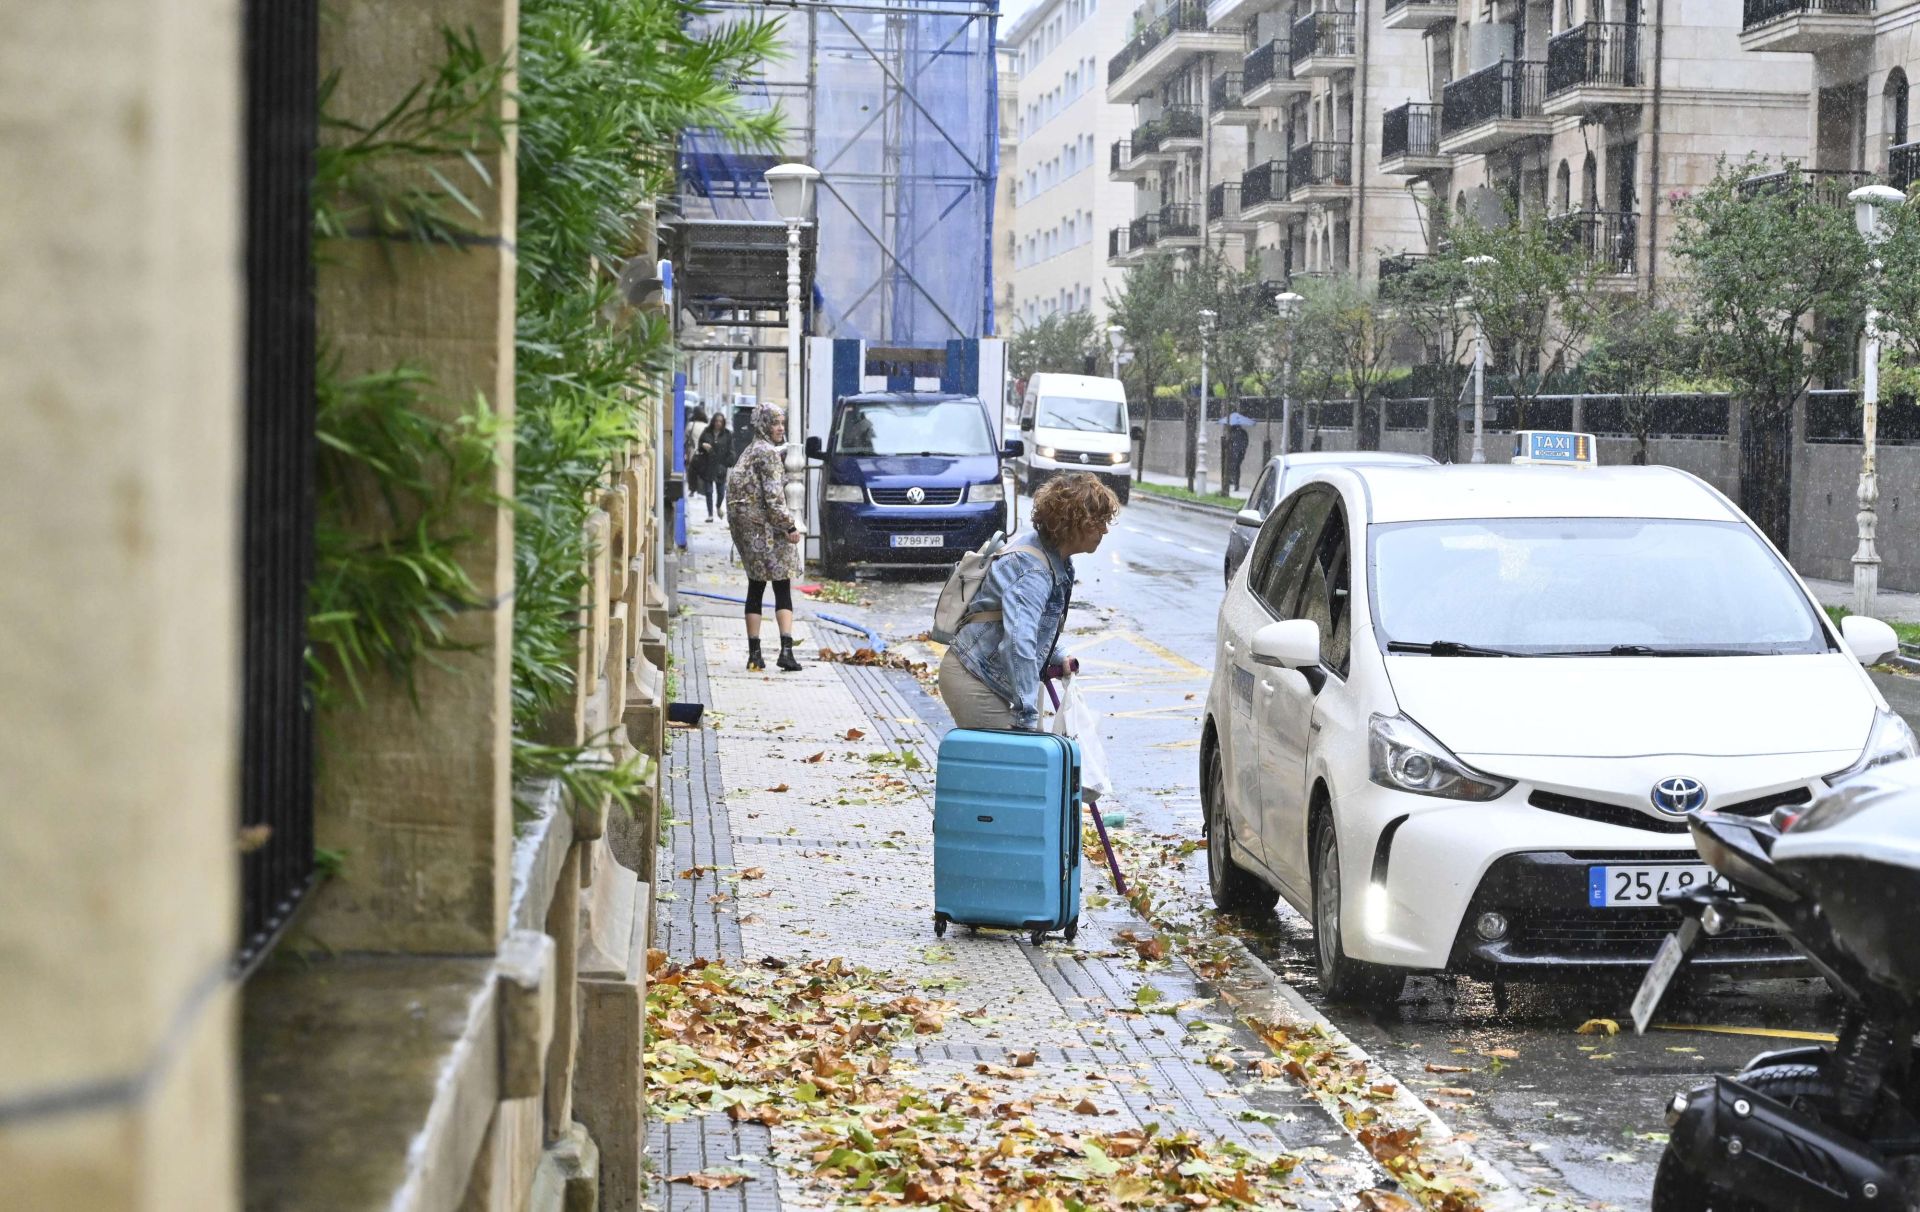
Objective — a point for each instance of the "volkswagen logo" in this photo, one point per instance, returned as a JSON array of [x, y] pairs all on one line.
[[916, 494], [1085, 457], [1679, 796]]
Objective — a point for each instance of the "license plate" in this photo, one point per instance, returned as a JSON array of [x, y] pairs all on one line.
[[1660, 973], [1642, 886], [918, 540]]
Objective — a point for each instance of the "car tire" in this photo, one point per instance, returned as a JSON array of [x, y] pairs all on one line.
[[1234, 888], [1125, 491], [1343, 979]]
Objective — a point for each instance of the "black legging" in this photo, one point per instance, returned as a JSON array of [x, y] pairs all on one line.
[[716, 486], [782, 595]]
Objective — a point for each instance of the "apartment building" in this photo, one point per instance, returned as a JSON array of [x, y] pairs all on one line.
[[1257, 130], [1598, 113], [1005, 238], [1855, 116], [1064, 202]]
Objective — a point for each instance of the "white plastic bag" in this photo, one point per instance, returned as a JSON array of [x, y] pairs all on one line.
[[1079, 721]]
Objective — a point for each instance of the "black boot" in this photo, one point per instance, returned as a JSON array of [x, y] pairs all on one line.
[[755, 662], [786, 660]]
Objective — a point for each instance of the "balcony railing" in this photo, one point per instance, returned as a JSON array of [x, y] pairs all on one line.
[[1756, 13], [1903, 165], [1176, 123], [1394, 271], [1605, 238], [1322, 33], [1178, 220], [1182, 18], [1223, 202], [1122, 152], [1605, 53], [1119, 242], [1263, 183], [1320, 164], [1829, 185], [1225, 92], [1264, 63], [1412, 129], [1143, 232], [1511, 88]]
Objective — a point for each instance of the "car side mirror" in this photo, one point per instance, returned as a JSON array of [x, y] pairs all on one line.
[[1870, 640], [1250, 517], [1288, 644], [1026, 424], [1013, 449], [816, 449], [1138, 433]]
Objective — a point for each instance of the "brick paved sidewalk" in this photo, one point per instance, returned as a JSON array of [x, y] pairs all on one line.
[[844, 843]]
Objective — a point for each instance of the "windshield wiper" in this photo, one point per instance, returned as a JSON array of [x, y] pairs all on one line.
[[1446, 648], [1645, 650]]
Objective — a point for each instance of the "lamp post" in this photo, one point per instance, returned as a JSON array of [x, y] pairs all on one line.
[[1287, 303], [1867, 203], [1475, 264], [1207, 317], [792, 188], [1116, 341]]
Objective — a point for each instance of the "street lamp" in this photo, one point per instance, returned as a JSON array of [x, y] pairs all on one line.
[[1868, 217], [1207, 317], [1287, 303], [1475, 264], [792, 188], [1116, 341]]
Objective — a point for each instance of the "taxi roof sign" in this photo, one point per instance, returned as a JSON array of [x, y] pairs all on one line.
[[1555, 446]]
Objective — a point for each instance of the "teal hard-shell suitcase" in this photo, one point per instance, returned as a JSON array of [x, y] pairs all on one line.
[[1006, 832]]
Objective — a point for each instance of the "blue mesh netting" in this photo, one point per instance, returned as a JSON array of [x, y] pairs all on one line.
[[905, 131]]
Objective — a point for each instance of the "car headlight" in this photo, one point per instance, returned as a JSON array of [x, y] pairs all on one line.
[[845, 493], [1403, 756], [1046, 452], [1889, 740], [980, 494], [1117, 457]]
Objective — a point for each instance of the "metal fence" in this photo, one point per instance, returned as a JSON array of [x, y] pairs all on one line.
[[1836, 418], [1412, 129], [1608, 239], [1262, 62], [1407, 416], [1511, 88], [1224, 92], [1903, 165], [1755, 13], [1263, 183], [1605, 53], [1695, 415], [1327, 32], [276, 741], [1320, 163]]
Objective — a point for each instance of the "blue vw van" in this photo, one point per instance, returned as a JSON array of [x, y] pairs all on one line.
[[911, 478]]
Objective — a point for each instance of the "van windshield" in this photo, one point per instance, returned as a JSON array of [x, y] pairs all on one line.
[[1077, 412], [898, 427], [1586, 587]]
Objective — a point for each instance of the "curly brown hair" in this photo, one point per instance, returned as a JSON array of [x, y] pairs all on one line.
[[1071, 504]]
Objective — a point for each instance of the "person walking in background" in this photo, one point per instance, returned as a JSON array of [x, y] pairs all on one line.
[[696, 466], [716, 459], [765, 534], [990, 676], [1238, 439]]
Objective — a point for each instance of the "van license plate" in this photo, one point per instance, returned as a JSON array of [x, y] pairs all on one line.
[[918, 540], [1641, 887]]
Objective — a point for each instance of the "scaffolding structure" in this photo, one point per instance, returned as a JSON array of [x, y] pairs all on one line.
[[895, 102]]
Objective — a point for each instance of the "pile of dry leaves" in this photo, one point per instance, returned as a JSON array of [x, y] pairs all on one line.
[[883, 660]]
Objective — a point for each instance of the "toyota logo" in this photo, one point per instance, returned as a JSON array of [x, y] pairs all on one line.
[[916, 494], [1679, 796]]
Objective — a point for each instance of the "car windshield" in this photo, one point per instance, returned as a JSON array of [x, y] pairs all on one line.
[[1586, 586], [1076, 412], [892, 427]]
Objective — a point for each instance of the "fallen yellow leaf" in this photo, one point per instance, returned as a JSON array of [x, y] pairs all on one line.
[[1598, 1026]]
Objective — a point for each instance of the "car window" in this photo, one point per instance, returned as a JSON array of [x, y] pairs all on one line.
[[1262, 497], [1324, 592], [1280, 575]]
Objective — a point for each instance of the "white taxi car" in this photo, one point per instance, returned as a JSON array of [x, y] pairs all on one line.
[[1459, 714]]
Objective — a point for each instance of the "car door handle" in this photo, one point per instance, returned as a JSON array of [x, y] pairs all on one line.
[[1266, 687], [1314, 727], [1228, 645]]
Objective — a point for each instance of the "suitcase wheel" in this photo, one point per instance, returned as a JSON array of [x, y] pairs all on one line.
[[1073, 927], [939, 925], [1036, 936]]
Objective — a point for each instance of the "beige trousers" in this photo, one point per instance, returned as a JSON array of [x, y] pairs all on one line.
[[971, 702]]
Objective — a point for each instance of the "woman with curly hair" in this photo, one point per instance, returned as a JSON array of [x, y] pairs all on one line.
[[765, 533], [990, 677]]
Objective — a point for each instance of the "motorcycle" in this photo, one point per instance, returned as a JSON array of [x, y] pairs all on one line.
[[1827, 1126]]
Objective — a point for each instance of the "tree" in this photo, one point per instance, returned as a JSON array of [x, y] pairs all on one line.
[[1241, 328], [1894, 292], [1147, 306], [1427, 299], [1642, 347], [1063, 342], [1356, 340], [1763, 265], [1533, 286]]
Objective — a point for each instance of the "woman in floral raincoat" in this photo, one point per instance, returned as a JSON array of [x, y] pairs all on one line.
[[764, 532]]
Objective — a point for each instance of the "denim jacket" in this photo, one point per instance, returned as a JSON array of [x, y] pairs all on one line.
[[1009, 653]]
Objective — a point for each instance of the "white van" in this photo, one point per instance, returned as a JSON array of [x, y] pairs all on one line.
[[1075, 423]]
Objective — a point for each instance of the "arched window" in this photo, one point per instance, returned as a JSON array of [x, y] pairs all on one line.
[[1589, 184], [1895, 97], [1563, 189]]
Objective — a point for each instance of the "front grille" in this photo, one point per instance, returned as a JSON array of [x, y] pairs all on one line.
[[1092, 458], [1633, 932], [921, 525], [1634, 818], [898, 496]]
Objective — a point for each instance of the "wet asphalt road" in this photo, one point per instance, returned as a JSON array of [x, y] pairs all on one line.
[[1575, 1119]]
